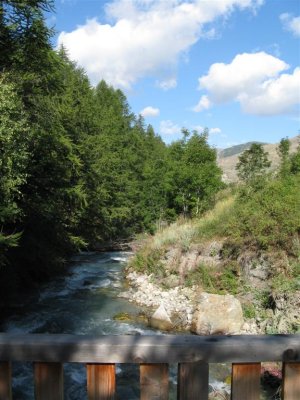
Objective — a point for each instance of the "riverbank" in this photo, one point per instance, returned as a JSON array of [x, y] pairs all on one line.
[[263, 311], [192, 263], [179, 303]]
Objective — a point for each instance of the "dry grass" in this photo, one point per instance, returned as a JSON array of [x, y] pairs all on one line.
[[184, 232]]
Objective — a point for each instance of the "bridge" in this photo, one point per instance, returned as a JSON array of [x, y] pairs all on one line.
[[193, 354]]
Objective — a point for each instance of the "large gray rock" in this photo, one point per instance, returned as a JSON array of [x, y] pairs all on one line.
[[161, 320], [216, 314]]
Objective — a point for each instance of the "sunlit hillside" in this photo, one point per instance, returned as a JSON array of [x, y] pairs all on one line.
[[228, 163]]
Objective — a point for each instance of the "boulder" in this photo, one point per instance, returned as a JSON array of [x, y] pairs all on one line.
[[161, 320], [217, 314]]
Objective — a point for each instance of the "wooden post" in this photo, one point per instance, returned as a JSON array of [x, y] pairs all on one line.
[[101, 381], [245, 381], [291, 381], [154, 381], [5, 381], [192, 381], [48, 380]]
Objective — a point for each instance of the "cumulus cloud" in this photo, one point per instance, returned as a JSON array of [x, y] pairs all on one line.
[[277, 96], [150, 112], [169, 128], [144, 38], [203, 104], [291, 23], [257, 81]]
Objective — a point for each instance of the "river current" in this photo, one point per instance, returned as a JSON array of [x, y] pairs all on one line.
[[83, 302]]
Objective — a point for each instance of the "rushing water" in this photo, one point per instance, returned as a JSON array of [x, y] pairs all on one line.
[[85, 302]]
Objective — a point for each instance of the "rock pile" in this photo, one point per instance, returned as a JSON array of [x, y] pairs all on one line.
[[177, 302], [187, 308]]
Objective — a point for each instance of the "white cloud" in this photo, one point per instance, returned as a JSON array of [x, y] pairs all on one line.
[[167, 84], [144, 38], [254, 80], [291, 23], [211, 131], [215, 131], [277, 96], [169, 128], [203, 104], [150, 112]]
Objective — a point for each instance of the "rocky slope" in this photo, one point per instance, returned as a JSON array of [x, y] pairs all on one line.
[[191, 308]]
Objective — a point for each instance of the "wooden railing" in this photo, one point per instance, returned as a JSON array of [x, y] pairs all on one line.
[[153, 353]]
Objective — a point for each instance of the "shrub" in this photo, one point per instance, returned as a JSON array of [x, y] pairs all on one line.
[[270, 216]]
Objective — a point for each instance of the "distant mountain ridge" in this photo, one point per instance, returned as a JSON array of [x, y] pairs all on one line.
[[237, 149], [228, 162]]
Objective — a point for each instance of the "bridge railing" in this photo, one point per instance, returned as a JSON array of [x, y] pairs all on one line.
[[193, 354]]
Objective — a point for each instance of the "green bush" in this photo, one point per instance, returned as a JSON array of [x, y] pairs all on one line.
[[269, 217]]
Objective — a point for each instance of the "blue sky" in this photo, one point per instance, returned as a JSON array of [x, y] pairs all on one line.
[[232, 66]]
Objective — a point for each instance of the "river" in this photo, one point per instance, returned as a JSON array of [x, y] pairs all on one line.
[[85, 301]]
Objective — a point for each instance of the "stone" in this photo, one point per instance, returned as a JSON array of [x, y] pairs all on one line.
[[171, 281], [217, 314], [161, 320]]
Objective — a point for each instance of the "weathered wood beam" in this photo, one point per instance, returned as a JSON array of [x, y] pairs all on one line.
[[48, 381], [149, 349], [5, 381], [192, 381], [245, 381], [154, 381], [101, 381], [291, 381]]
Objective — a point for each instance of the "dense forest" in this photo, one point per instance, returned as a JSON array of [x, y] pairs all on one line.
[[77, 167]]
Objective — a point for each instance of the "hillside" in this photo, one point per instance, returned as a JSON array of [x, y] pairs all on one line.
[[228, 162], [239, 148]]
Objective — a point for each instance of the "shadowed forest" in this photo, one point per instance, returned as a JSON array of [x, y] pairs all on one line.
[[77, 167]]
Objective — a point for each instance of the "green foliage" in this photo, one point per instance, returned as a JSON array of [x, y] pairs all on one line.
[[270, 216], [77, 167], [13, 162], [253, 163], [289, 281], [214, 280], [147, 261], [195, 175], [295, 162], [249, 311], [284, 149], [283, 152]]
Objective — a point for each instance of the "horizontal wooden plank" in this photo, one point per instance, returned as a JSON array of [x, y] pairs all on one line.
[[149, 349]]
